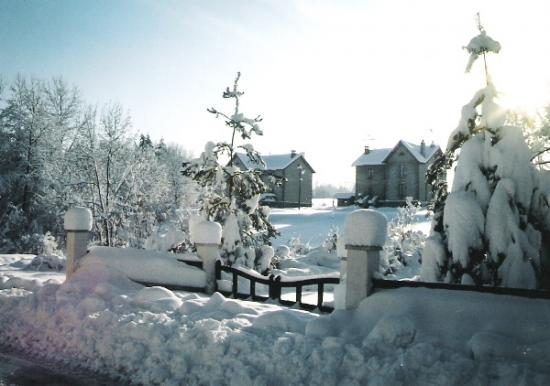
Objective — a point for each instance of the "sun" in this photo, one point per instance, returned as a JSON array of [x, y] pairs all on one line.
[[525, 92]]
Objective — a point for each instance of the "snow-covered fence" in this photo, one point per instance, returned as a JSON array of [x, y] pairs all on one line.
[[365, 234], [275, 285], [78, 223]]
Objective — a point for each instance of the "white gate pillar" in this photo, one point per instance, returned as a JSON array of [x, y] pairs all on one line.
[[78, 223], [207, 236], [364, 235]]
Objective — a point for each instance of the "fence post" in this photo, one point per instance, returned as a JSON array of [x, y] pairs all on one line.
[[78, 223], [364, 235], [207, 237]]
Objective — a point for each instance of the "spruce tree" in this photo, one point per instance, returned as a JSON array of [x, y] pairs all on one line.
[[230, 195], [487, 229]]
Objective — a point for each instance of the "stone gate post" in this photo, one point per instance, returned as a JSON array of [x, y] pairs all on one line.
[[78, 223], [207, 235], [365, 233]]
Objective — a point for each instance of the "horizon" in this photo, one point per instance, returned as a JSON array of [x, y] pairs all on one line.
[[327, 77]]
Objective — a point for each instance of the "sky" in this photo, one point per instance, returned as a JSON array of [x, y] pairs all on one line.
[[328, 77]]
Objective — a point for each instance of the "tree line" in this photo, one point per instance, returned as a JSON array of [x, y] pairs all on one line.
[[57, 151]]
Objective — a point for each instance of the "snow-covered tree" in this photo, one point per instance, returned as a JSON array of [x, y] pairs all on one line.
[[230, 195], [36, 121], [403, 243], [487, 229]]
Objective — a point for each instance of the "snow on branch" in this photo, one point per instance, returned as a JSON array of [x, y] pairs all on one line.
[[480, 45]]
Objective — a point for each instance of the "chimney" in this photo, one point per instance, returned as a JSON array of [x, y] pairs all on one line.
[[292, 153], [423, 148], [367, 149]]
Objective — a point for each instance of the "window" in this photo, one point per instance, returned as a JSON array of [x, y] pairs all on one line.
[[370, 173], [402, 170]]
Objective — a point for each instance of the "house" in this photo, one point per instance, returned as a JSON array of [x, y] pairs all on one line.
[[295, 188], [395, 173]]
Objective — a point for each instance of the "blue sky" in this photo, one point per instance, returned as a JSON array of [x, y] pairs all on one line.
[[327, 76]]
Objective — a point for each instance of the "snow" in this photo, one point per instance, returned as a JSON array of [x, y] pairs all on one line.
[[479, 45], [464, 224], [373, 157], [378, 156], [267, 253], [101, 321], [513, 157], [252, 203], [492, 115], [467, 119], [164, 237], [147, 266], [206, 232], [365, 227], [230, 233], [272, 161], [47, 263], [468, 173], [78, 219], [433, 259]]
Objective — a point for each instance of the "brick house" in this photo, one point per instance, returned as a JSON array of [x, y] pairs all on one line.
[[392, 174], [296, 187]]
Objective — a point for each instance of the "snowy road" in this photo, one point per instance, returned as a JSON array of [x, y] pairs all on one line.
[[15, 371]]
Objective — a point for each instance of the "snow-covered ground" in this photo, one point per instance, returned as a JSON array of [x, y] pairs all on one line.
[[312, 225], [102, 322]]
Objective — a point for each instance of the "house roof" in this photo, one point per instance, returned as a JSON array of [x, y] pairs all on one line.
[[272, 161], [378, 156], [373, 157]]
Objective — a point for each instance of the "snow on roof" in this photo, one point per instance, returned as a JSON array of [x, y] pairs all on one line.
[[272, 161], [378, 156], [415, 150], [373, 157]]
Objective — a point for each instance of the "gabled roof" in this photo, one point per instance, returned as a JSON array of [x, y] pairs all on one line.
[[373, 157], [272, 161], [429, 151], [379, 156]]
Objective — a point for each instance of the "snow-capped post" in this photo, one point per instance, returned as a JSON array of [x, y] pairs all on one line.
[[78, 223], [207, 237], [364, 235]]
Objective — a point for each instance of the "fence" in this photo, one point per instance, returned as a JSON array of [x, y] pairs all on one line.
[[275, 285], [522, 292], [357, 282]]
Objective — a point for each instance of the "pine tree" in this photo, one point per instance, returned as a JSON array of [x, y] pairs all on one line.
[[487, 229], [230, 195]]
